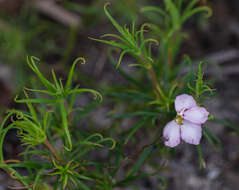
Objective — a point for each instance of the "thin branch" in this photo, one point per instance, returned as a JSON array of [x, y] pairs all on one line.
[[52, 149], [153, 76], [20, 187]]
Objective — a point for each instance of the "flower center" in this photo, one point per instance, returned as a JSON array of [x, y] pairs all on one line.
[[179, 119]]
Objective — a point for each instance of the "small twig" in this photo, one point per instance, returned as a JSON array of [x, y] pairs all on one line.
[[11, 161], [13, 177], [22, 187]]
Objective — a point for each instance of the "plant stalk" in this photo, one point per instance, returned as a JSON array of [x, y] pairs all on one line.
[[52, 149], [153, 77]]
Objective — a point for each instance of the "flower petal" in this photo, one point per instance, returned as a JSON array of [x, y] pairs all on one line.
[[172, 133], [191, 133], [197, 115], [183, 102]]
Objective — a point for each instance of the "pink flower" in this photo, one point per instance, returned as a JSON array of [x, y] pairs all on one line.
[[187, 124]]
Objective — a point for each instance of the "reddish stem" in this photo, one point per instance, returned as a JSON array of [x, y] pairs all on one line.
[[52, 149]]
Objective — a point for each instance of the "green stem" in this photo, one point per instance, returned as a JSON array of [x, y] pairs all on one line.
[[153, 77], [65, 125]]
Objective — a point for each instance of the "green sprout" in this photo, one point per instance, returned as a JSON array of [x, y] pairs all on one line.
[[58, 93], [200, 86], [34, 129], [31, 133], [131, 42], [68, 173]]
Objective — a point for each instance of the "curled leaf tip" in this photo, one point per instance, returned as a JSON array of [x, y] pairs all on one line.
[[113, 145], [117, 66], [112, 140], [16, 98], [107, 4], [211, 117], [81, 60], [98, 95], [33, 59], [36, 58], [156, 42], [68, 149], [209, 12]]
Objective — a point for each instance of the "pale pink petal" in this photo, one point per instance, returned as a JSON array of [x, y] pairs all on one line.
[[191, 133], [183, 102], [197, 115], [172, 133]]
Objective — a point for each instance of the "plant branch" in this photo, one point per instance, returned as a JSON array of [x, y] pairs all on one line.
[[21, 187], [52, 149], [153, 76], [12, 176]]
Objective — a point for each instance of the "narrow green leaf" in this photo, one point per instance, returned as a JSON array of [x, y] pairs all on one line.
[[124, 74], [195, 11], [190, 5], [65, 126], [31, 109], [153, 9], [82, 185], [121, 57], [83, 90], [134, 129], [82, 176], [143, 156], [200, 154], [118, 27], [32, 65], [211, 137], [117, 37], [81, 60], [50, 101], [175, 16], [42, 91], [112, 43]]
